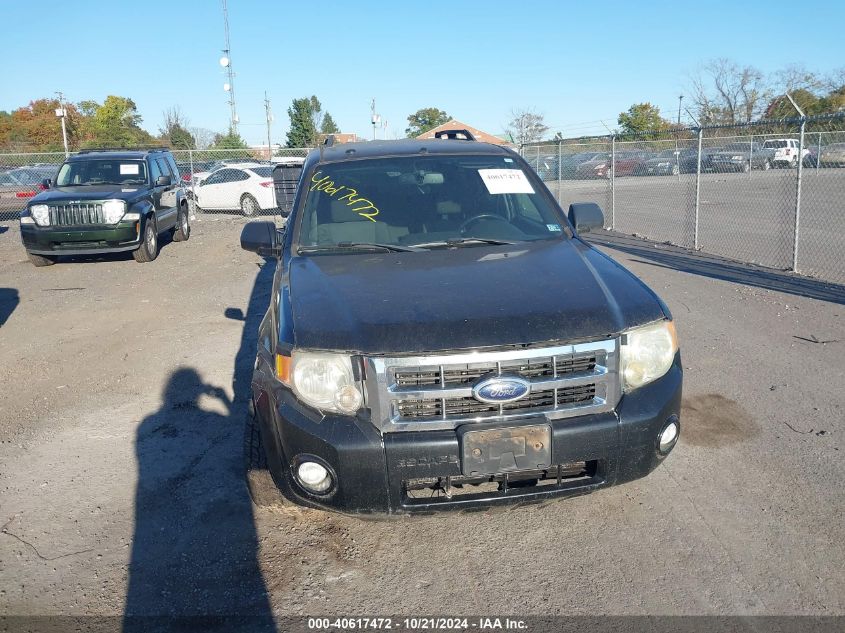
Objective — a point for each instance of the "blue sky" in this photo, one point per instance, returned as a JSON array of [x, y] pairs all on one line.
[[577, 63]]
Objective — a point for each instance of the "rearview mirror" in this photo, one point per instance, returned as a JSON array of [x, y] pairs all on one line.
[[261, 237], [585, 216]]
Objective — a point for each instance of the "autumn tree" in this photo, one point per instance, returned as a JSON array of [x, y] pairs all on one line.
[[425, 119], [725, 92], [115, 123]]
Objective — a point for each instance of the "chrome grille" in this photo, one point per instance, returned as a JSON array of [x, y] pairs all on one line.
[[76, 214], [434, 392]]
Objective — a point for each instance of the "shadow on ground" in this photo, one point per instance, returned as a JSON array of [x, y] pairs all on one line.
[[194, 563], [9, 300], [698, 263]]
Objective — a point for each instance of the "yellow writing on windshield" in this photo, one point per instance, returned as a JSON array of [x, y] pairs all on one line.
[[349, 195]]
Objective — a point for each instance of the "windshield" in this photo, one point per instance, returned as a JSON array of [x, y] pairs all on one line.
[[102, 172], [425, 201], [775, 144], [742, 147]]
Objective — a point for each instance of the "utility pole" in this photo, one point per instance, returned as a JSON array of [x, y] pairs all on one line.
[[226, 62], [376, 118], [269, 119], [61, 112]]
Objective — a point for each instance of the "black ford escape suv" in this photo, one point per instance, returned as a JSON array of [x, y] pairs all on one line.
[[105, 201], [440, 337]]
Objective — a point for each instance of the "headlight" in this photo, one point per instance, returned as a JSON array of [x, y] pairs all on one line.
[[113, 210], [736, 157], [41, 214], [662, 164], [325, 381], [647, 353]]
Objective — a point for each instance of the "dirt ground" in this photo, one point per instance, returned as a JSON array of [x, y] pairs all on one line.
[[122, 413]]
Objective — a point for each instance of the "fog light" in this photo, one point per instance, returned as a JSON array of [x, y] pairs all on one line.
[[668, 437], [314, 477]]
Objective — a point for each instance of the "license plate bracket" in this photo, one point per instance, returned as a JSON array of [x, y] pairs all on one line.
[[508, 449]]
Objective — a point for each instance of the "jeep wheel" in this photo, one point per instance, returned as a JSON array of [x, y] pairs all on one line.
[[249, 206], [40, 260], [148, 250], [182, 230]]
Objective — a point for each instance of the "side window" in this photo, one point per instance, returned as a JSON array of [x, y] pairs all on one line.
[[164, 168], [217, 177], [155, 172], [174, 170], [236, 175], [524, 207]]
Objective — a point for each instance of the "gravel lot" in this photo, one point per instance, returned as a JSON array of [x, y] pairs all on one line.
[[121, 460]]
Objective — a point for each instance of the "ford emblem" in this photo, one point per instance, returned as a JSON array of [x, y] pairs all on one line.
[[501, 389]]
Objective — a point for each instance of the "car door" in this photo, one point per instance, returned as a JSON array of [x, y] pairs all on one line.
[[155, 190], [210, 193], [167, 196]]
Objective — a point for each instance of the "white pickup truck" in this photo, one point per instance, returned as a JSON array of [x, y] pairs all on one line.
[[786, 151]]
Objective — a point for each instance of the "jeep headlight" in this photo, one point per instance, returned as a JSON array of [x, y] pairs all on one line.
[[113, 210], [41, 214], [647, 353], [325, 381]]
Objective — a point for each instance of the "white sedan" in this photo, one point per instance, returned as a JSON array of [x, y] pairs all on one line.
[[244, 186]]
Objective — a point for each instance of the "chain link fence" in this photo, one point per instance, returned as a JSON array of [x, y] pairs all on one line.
[[769, 193], [216, 181]]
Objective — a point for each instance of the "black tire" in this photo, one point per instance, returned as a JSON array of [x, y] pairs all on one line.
[[182, 230], [148, 250], [249, 205], [259, 481], [39, 261]]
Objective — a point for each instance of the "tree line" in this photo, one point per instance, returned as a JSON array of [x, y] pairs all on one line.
[[113, 123]]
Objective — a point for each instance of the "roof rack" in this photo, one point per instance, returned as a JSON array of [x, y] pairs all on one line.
[[460, 135], [90, 150]]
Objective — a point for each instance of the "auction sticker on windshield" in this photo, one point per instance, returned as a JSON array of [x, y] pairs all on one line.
[[129, 169], [505, 181]]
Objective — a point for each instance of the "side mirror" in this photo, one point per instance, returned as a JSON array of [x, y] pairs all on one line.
[[261, 237], [163, 181], [585, 216], [46, 183]]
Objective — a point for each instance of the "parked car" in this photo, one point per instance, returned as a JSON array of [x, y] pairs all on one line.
[[627, 163], [190, 172], [244, 186], [785, 151], [107, 202], [670, 162], [20, 184], [440, 336], [597, 167], [832, 155], [569, 164], [743, 156]]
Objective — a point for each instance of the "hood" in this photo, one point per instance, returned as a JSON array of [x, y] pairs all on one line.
[[88, 192], [558, 290]]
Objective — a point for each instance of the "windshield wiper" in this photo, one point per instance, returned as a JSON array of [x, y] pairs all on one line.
[[462, 241], [356, 245]]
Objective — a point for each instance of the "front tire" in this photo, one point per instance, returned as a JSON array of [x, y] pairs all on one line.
[[182, 231], [148, 250], [249, 206], [39, 261]]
